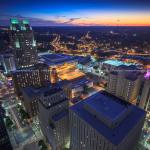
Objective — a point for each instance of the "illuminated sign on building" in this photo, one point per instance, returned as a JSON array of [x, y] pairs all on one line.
[[147, 75]]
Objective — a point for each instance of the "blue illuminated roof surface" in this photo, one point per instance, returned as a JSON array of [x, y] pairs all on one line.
[[60, 115], [46, 90], [115, 107], [81, 81], [107, 107], [55, 59], [117, 63]]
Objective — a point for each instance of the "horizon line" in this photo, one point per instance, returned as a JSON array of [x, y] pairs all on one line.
[[84, 25]]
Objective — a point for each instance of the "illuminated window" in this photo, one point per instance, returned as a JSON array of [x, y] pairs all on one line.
[[23, 28], [17, 44], [34, 43]]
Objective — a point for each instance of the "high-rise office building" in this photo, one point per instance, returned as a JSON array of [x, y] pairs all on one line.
[[30, 99], [23, 44], [125, 85], [104, 122], [31, 96], [112, 83], [53, 117], [35, 76]]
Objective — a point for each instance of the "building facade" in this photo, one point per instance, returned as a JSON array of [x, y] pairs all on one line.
[[103, 122], [124, 85], [23, 44], [77, 87], [36, 76], [53, 117], [30, 100], [145, 96], [8, 62]]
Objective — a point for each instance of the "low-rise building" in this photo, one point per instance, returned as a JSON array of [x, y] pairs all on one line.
[[74, 88]]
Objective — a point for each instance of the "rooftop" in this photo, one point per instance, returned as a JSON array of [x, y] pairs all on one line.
[[49, 103], [45, 90], [117, 63], [101, 109], [105, 106], [25, 21], [47, 94], [132, 76], [75, 82], [56, 59], [128, 74], [79, 82], [60, 115], [14, 21]]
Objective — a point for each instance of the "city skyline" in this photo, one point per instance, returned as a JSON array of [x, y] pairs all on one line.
[[78, 13], [73, 88]]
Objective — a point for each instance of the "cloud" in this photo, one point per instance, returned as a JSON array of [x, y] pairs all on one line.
[[60, 16], [5, 20], [71, 20]]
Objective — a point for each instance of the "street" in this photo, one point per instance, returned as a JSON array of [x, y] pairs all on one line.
[[23, 133]]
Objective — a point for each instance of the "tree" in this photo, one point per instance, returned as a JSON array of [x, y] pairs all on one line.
[[97, 71], [9, 122], [42, 145], [40, 142], [95, 67], [18, 107], [24, 114]]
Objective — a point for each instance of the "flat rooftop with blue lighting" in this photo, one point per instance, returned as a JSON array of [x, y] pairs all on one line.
[[45, 91], [58, 59], [75, 83], [111, 117], [117, 63]]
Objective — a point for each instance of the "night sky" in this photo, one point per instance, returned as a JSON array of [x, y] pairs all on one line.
[[77, 12]]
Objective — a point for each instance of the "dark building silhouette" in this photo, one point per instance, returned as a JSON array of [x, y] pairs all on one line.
[[4, 138]]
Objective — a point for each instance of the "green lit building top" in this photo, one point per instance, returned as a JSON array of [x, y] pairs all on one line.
[[25, 21], [17, 25], [14, 21]]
